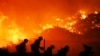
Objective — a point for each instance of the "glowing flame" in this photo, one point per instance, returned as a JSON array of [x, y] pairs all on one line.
[[13, 33], [96, 12], [47, 26], [58, 19], [83, 14], [9, 33]]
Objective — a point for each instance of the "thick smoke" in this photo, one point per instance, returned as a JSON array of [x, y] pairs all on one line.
[[40, 7]]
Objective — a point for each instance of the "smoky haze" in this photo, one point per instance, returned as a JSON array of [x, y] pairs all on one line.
[[41, 7]]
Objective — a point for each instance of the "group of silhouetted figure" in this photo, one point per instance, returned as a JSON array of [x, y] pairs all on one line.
[[35, 47]]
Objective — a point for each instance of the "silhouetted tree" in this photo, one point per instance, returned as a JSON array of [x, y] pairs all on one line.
[[90, 22]]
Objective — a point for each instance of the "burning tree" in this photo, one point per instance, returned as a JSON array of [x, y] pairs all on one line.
[[90, 22]]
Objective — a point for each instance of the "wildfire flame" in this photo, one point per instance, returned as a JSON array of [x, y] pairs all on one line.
[[11, 32], [83, 14], [96, 12]]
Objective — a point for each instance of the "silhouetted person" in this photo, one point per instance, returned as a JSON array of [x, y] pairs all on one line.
[[48, 52], [21, 48], [35, 47], [87, 51], [4, 52], [63, 51]]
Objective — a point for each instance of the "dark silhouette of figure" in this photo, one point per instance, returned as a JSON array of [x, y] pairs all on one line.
[[4, 52], [35, 47], [87, 51], [63, 51], [48, 52], [21, 48]]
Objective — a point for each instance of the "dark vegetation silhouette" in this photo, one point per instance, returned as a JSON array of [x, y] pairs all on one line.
[[92, 21]]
